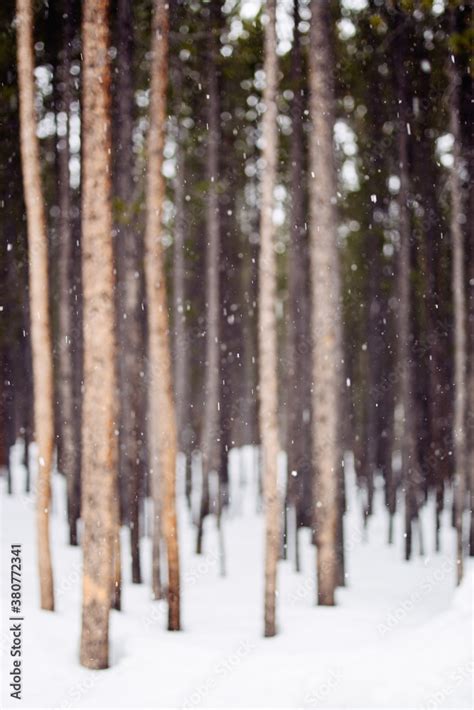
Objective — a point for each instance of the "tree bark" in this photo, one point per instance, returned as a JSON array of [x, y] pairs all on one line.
[[69, 443], [470, 419], [211, 434], [267, 330], [129, 318], [163, 439], [326, 306], [460, 315], [408, 447], [300, 467], [181, 337], [39, 293], [99, 439]]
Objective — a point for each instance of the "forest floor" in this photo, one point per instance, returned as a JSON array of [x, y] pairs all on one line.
[[400, 636]]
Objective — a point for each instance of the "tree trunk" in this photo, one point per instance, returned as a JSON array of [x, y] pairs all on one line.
[[69, 446], [300, 468], [211, 434], [129, 317], [459, 307], [249, 285], [470, 426], [39, 293], [470, 419], [326, 313], [267, 330], [99, 440], [374, 358], [432, 233], [163, 439], [408, 447], [181, 337], [466, 91]]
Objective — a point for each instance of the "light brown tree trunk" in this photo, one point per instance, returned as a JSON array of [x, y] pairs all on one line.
[[460, 314], [326, 306], [39, 293], [267, 330], [99, 439], [163, 439], [211, 435]]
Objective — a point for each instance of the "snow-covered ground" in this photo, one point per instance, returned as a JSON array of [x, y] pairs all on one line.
[[400, 637]]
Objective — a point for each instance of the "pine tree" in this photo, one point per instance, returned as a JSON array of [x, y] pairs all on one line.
[[460, 314], [300, 468], [129, 249], [39, 293], [163, 437], [180, 300], [68, 440], [211, 435], [267, 334], [326, 306], [99, 437], [408, 444]]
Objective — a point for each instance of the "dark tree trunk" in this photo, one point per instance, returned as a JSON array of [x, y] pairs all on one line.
[[408, 447], [460, 314], [180, 303], [129, 250], [68, 441], [300, 465], [211, 439]]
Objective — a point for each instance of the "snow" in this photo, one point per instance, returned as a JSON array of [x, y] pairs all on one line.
[[400, 636]]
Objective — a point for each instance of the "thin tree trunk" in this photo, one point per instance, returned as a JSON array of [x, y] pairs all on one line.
[[408, 448], [65, 260], [4, 420], [459, 307], [374, 360], [211, 435], [471, 390], [163, 439], [129, 317], [300, 468], [28, 393], [326, 319], [470, 420], [116, 581], [181, 337], [267, 331], [39, 293], [466, 100], [432, 236], [249, 273], [99, 440]]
